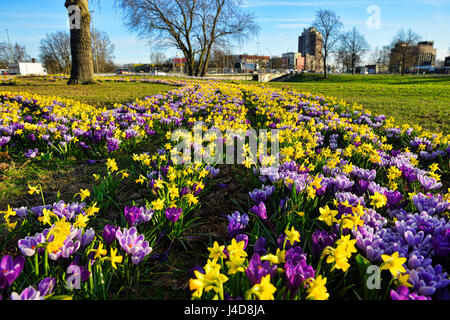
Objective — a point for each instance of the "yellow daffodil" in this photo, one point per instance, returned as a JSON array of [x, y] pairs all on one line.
[[216, 252], [99, 251], [378, 200], [316, 289], [84, 193], [111, 164], [114, 258], [292, 235], [262, 291], [327, 215], [393, 263], [81, 221], [32, 190]]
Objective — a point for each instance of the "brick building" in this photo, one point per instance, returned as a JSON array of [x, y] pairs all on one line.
[[293, 61], [310, 45], [423, 54]]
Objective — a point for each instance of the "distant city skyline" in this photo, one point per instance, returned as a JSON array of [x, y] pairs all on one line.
[[281, 22]]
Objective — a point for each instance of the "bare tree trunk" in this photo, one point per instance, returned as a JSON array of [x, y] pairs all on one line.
[[205, 64], [82, 71], [403, 63]]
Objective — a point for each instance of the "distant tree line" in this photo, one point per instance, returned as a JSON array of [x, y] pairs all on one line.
[[55, 52], [12, 54], [350, 47]]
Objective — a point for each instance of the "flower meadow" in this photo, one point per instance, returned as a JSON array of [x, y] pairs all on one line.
[[358, 207]]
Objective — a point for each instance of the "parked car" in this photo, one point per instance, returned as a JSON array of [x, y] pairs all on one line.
[[123, 71], [4, 72]]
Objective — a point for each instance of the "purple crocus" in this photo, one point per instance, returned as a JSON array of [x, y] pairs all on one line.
[[441, 243], [4, 140], [257, 269], [46, 286], [320, 240], [112, 144], [22, 212], [242, 237], [28, 246], [260, 246], [394, 199], [342, 183], [213, 172], [85, 236], [237, 223], [131, 215], [31, 153], [173, 214], [10, 270], [261, 195], [431, 204], [363, 185], [297, 270], [260, 210], [109, 233], [28, 293], [133, 244], [402, 293], [428, 183]]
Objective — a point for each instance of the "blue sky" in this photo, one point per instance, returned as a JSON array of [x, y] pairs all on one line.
[[281, 22]]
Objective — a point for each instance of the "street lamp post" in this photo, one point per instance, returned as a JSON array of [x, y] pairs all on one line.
[[95, 44]]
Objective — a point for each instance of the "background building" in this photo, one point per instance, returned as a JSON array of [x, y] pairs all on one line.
[[421, 55], [310, 45], [247, 63], [293, 61]]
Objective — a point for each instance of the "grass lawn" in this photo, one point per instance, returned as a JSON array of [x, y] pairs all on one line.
[[69, 174], [104, 94], [422, 100]]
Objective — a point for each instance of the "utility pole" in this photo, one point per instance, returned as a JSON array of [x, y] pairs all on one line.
[[95, 43], [257, 54], [11, 56], [270, 57]]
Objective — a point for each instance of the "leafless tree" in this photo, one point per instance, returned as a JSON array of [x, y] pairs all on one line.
[[380, 56], [220, 57], [55, 52], [192, 26], [402, 53], [342, 58], [14, 54], [56, 56], [103, 51], [20, 53], [328, 23], [5, 54], [353, 46], [157, 58]]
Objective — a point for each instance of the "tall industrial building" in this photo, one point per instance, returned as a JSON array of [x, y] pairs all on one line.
[[310, 45]]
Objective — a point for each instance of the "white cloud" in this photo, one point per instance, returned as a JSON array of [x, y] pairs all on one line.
[[259, 3], [291, 25]]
